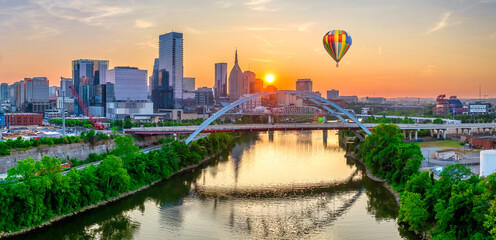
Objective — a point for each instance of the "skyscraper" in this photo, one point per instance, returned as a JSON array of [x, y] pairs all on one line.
[[220, 80], [236, 80], [304, 85], [171, 59]]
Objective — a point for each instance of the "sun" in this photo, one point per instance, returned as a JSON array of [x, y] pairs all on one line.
[[269, 78]]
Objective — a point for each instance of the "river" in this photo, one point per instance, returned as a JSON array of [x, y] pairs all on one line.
[[288, 185]]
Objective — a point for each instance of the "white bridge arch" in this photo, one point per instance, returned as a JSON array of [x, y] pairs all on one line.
[[322, 102]]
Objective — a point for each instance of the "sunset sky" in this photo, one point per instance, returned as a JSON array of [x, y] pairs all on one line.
[[400, 48]]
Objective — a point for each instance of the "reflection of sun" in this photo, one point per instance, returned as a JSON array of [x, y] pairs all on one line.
[[269, 78]]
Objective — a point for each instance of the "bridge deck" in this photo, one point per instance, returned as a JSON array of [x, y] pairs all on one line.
[[288, 127]]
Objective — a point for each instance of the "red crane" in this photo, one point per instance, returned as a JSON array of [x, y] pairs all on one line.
[[96, 124]]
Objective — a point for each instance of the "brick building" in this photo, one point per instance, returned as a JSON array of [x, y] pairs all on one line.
[[15, 119], [484, 142]]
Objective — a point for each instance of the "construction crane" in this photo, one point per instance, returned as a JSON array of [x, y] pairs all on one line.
[[96, 125]]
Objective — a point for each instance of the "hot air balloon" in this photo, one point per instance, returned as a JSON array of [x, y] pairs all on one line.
[[337, 43]]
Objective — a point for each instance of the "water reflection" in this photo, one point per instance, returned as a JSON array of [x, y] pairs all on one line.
[[283, 186]]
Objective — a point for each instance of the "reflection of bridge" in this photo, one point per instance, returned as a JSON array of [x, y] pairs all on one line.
[[310, 207], [351, 182]]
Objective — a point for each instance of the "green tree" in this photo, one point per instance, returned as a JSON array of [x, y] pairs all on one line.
[[25, 169], [114, 178], [437, 121], [125, 148], [413, 211]]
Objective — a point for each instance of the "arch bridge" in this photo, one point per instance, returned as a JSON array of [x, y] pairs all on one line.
[[319, 101]]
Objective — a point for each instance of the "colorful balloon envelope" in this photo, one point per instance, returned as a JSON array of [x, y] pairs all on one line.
[[337, 43]]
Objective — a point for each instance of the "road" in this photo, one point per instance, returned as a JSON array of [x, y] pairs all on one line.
[[145, 150]]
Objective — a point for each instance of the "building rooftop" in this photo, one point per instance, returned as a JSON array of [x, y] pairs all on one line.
[[23, 114]]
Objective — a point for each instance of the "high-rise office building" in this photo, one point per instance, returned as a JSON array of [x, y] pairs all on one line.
[[36, 93], [129, 83], [236, 80], [19, 94], [333, 94], [12, 96], [36, 89], [250, 78], [4, 92], [171, 59], [204, 96], [53, 91], [304, 85], [65, 83], [87, 73], [220, 87], [93, 70], [256, 86], [188, 84], [161, 91]]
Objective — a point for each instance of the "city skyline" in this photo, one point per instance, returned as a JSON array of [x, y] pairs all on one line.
[[399, 49]]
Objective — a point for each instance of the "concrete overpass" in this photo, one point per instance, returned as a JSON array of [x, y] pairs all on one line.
[[410, 130], [415, 119]]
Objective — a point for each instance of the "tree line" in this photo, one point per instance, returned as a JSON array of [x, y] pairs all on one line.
[[457, 206], [36, 191], [19, 143]]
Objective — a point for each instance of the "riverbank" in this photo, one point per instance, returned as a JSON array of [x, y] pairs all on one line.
[[113, 199], [377, 179]]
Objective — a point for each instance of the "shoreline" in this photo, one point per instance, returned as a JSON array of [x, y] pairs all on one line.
[[110, 200], [377, 179]]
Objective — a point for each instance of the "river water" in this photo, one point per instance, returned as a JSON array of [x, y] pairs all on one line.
[[288, 185]]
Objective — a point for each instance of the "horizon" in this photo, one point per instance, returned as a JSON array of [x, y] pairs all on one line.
[[413, 49]]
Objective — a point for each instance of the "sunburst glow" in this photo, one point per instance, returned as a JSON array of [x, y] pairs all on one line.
[[269, 78]]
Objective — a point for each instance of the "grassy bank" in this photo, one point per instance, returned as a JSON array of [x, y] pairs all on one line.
[[440, 144]]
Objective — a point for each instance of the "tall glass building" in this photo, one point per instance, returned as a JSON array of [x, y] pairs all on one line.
[[171, 59], [220, 80], [86, 73]]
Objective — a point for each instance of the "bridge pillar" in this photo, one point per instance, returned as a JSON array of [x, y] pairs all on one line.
[[324, 120], [438, 133], [432, 133], [416, 135], [410, 135], [271, 136], [457, 131], [270, 120], [404, 134], [469, 130], [444, 133]]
